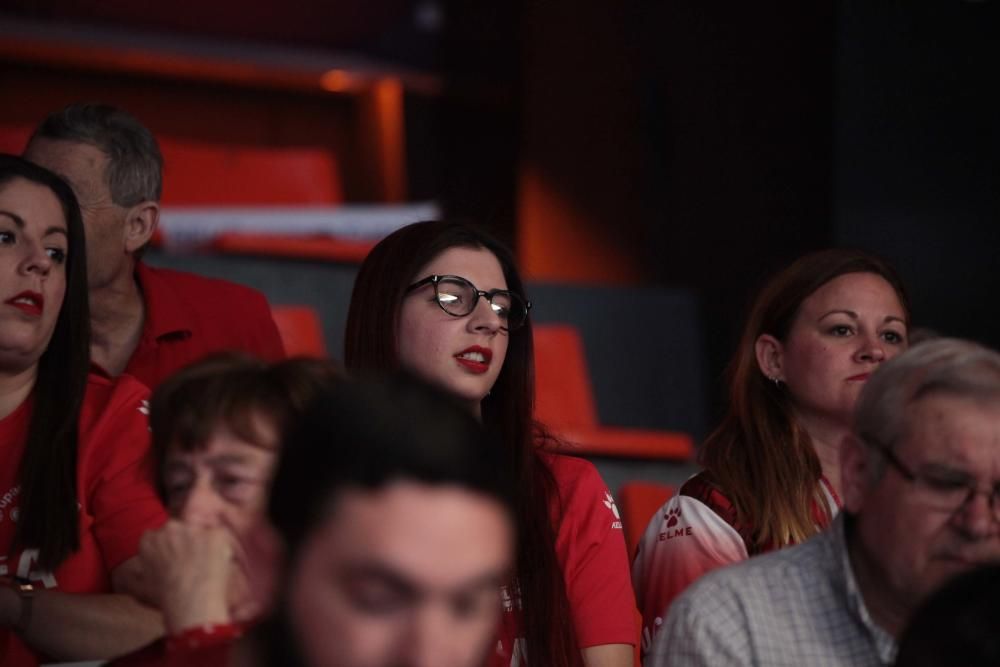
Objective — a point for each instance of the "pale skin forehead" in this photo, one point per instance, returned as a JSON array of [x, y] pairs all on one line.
[[853, 295], [435, 537], [962, 432], [477, 265]]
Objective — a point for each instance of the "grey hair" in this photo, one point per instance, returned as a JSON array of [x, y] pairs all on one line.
[[943, 366], [135, 167]]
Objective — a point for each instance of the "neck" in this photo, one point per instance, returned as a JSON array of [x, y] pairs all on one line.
[[826, 435], [15, 387], [117, 313], [885, 609]]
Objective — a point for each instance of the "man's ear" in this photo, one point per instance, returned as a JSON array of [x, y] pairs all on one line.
[[770, 353], [856, 462], [140, 224]]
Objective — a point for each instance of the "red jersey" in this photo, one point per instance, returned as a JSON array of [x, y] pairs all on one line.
[[114, 490], [189, 316], [590, 547], [695, 532]]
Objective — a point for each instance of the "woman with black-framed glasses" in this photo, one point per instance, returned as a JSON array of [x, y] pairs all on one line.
[[445, 300]]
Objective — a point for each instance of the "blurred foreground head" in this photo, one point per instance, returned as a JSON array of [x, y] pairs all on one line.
[[393, 508]]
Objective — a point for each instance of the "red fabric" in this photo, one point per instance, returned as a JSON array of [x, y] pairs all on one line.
[[189, 316], [210, 646], [117, 500], [590, 547]]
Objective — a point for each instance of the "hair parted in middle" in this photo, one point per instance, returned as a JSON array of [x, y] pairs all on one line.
[[48, 479], [759, 455], [370, 345]]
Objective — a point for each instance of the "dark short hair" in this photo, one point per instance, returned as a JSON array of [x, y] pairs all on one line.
[[232, 390], [135, 167], [49, 520], [957, 625], [365, 434]]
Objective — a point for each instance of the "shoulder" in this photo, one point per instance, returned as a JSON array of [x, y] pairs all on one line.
[[197, 289], [572, 472], [105, 394]]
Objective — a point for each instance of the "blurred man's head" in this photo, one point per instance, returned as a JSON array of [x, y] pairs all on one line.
[[396, 515], [114, 166], [922, 476]]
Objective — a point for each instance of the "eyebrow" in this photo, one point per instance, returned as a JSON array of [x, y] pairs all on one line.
[[410, 589], [19, 223], [853, 315]]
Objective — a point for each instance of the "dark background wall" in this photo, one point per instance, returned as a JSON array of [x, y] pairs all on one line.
[[916, 145]]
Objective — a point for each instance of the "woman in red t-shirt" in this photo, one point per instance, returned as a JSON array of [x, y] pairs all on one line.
[[815, 333], [74, 496], [445, 300]]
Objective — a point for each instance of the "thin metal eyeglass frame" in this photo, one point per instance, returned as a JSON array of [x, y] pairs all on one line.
[[435, 279], [992, 496]]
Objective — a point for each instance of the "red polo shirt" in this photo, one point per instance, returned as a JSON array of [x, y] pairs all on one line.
[[189, 316]]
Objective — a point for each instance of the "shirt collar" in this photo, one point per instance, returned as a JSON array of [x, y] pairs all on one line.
[[166, 314], [885, 644]]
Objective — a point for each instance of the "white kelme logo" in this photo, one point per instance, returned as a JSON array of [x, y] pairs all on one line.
[[609, 502]]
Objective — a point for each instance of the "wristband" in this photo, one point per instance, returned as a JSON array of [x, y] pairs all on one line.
[[204, 635]]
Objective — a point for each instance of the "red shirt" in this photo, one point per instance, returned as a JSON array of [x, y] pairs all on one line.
[[189, 316], [590, 547], [116, 496]]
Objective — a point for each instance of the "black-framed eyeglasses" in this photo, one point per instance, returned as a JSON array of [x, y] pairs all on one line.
[[944, 490], [458, 297]]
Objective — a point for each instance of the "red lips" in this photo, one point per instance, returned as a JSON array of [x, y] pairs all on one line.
[[860, 377], [475, 358], [31, 303]]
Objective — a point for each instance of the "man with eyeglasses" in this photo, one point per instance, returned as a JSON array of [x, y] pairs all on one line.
[[920, 479]]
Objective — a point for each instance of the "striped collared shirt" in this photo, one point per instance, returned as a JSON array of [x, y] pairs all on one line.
[[798, 606]]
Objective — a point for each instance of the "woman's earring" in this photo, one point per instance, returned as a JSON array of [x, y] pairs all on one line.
[[775, 380]]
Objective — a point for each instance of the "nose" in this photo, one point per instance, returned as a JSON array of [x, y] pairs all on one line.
[[431, 641], [202, 505], [483, 318], [36, 260], [978, 519], [871, 349]]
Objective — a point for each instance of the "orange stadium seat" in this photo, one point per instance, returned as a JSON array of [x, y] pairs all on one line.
[[323, 248], [301, 330], [564, 402], [196, 174], [13, 138], [639, 501]]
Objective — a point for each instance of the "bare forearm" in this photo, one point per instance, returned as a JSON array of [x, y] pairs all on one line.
[[609, 655], [68, 626]]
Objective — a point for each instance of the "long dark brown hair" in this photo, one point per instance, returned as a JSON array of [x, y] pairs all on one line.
[[48, 501], [759, 455], [370, 345]]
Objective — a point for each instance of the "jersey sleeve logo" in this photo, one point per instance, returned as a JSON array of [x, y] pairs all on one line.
[[609, 502]]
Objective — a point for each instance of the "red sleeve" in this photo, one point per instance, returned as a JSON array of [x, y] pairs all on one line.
[[591, 548], [684, 540], [115, 470]]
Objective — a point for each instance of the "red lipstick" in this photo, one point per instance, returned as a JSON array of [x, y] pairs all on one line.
[[31, 303], [475, 358]]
